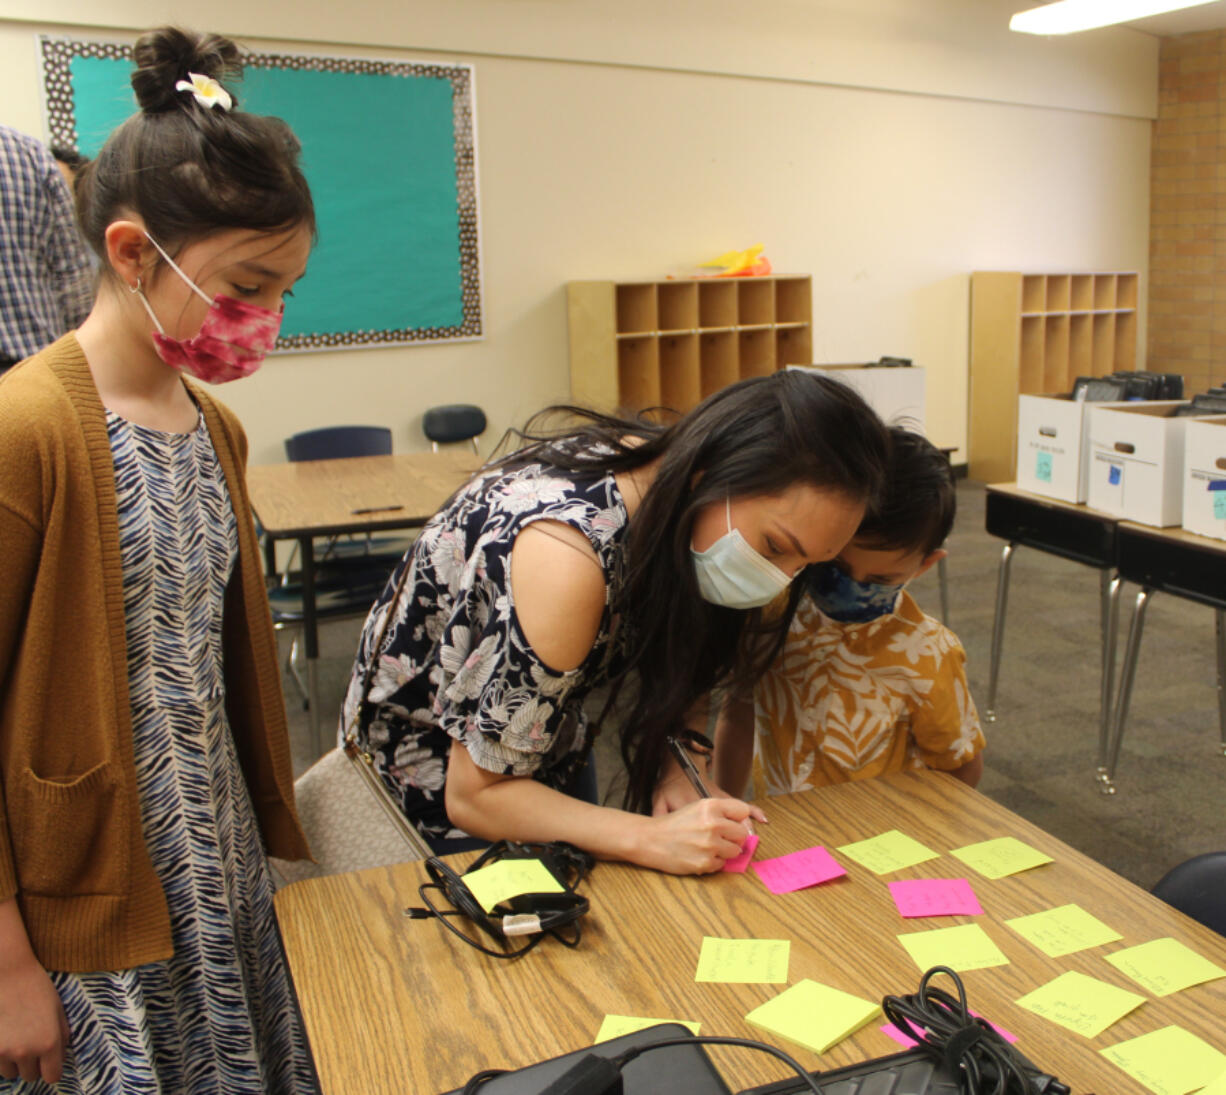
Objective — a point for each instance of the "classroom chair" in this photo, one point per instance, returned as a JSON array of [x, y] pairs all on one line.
[[453, 422], [1197, 888]]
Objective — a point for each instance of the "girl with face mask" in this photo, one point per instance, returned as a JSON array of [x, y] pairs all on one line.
[[144, 761], [607, 553]]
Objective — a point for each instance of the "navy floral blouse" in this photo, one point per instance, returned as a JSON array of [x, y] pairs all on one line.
[[455, 664]]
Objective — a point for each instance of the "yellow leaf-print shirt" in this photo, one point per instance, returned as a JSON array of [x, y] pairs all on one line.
[[856, 700]]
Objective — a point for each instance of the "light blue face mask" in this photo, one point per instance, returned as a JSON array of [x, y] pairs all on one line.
[[732, 574], [844, 599]]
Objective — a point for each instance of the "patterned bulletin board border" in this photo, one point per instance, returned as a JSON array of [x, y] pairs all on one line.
[[389, 150]]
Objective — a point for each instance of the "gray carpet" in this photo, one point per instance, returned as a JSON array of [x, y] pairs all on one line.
[[1042, 749]]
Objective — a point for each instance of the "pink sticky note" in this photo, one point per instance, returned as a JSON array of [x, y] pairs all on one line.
[[906, 1040], [797, 870], [738, 863], [935, 897]]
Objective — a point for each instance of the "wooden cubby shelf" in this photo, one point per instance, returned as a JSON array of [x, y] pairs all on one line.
[[1034, 334], [641, 344]]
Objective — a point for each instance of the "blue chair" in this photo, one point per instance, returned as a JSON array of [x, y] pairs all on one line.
[[1197, 888], [337, 442], [453, 422]]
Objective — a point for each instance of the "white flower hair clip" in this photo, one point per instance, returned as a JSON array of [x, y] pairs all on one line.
[[207, 91]]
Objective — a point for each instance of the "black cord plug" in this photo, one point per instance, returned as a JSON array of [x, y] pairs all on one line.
[[593, 1075]]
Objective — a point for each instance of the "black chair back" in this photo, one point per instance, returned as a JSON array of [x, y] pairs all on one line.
[[453, 422], [336, 442], [1197, 888]]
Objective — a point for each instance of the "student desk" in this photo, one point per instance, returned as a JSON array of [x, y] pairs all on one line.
[[395, 1005], [1070, 531], [1168, 561], [305, 499]]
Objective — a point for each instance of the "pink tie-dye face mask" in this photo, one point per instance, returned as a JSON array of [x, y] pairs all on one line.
[[231, 342]]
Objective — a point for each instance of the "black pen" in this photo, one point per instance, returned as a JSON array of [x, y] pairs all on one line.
[[374, 509], [688, 766]]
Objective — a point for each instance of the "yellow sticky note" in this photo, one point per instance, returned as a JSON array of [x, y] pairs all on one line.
[[746, 961], [1063, 930], [1083, 1004], [813, 1015], [1170, 1061], [1003, 856], [614, 1026], [1216, 1087], [888, 852], [966, 947], [510, 878], [1164, 966]]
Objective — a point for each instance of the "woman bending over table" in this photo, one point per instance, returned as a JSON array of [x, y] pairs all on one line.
[[613, 553]]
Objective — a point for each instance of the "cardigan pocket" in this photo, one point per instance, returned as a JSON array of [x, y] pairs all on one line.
[[68, 834]]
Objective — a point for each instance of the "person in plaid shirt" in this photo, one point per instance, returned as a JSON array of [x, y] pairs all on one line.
[[46, 274]]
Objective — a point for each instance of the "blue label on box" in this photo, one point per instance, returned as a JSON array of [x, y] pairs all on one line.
[[1042, 469], [1114, 474]]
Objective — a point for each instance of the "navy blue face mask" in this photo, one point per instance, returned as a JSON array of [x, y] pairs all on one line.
[[844, 599]]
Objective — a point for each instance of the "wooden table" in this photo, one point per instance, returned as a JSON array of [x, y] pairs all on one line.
[[397, 1005], [310, 498], [1071, 531]]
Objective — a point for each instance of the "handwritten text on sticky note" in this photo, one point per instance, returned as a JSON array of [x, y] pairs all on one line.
[[1003, 856], [1164, 966], [888, 852], [1083, 1004], [746, 961], [509, 878], [935, 897], [1064, 930], [1170, 1061], [798, 870]]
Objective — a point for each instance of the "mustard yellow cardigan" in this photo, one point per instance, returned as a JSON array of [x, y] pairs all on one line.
[[71, 847]]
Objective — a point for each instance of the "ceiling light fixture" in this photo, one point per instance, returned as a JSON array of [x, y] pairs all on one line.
[[1069, 16]]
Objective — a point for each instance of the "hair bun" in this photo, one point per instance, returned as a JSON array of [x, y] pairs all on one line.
[[165, 56]]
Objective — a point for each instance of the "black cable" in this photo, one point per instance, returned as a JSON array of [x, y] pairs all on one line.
[[971, 1050], [624, 1059], [549, 913]]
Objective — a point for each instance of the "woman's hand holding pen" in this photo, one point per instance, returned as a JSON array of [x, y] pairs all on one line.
[[681, 785], [696, 839]]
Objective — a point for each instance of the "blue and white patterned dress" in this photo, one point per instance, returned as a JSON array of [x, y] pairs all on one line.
[[217, 1018]]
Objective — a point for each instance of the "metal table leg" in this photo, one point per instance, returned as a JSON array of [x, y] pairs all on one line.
[[1220, 615], [998, 629], [1110, 623], [1127, 672], [943, 583]]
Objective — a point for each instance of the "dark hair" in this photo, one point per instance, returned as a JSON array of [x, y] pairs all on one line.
[[916, 507], [186, 169], [69, 157], [759, 436]]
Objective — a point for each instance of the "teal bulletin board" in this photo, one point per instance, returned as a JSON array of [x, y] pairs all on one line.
[[388, 149]]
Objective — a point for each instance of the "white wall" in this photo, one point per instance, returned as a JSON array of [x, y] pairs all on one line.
[[678, 130]]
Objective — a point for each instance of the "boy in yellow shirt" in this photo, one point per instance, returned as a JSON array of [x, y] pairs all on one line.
[[866, 683]]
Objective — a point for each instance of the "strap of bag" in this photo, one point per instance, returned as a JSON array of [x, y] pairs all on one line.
[[353, 732], [358, 752]]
